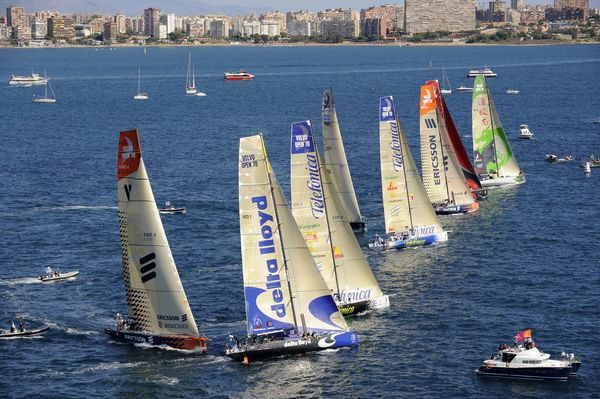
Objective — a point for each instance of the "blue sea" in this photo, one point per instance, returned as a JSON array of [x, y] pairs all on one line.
[[528, 258]]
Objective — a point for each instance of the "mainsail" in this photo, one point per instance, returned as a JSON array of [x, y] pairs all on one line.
[[323, 222], [405, 202], [335, 159], [492, 152], [282, 285], [442, 174], [155, 297]]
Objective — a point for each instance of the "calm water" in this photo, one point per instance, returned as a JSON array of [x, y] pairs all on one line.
[[529, 257]]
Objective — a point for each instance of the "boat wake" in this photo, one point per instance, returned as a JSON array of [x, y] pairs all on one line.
[[72, 208], [19, 281]]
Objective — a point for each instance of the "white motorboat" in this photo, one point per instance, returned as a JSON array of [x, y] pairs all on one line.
[[524, 361], [57, 276], [139, 95], [512, 91], [487, 72], [551, 158], [23, 333], [171, 209], [464, 89], [524, 132], [26, 81]]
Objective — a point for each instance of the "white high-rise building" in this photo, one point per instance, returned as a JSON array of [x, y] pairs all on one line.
[[435, 15]]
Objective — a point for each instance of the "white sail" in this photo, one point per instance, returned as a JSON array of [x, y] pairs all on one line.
[[335, 159], [442, 174], [324, 223], [190, 82], [282, 285], [155, 297], [405, 202]]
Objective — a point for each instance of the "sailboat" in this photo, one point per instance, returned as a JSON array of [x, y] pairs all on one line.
[[190, 80], [139, 95], [289, 308], [442, 175], [409, 217], [158, 309], [459, 149], [326, 229], [45, 99], [495, 162], [335, 160], [446, 88]]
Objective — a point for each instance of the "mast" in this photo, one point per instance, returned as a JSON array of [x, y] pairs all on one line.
[[139, 79], [279, 232]]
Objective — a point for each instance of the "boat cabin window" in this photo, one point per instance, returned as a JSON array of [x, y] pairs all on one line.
[[508, 357]]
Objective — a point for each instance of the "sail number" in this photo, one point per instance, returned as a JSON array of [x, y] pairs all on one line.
[[248, 161]]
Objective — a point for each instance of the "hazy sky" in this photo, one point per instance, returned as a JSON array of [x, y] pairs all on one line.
[[194, 7]]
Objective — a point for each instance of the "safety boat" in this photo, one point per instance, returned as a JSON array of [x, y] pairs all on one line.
[[495, 162], [442, 173], [524, 132], [487, 72], [323, 222], [464, 89], [170, 209], [23, 333], [25, 81], [551, 158], [410, 220], [337, 164], [240, 75], [524, 360], [57, 276], [158, 309], [289, 308]]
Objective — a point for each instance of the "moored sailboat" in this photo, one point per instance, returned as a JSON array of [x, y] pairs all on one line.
[[139, 95], [335, 160], [190, 81], [495, 162], [158, 309], [289, 308], [45, 99], [324, 224], [409, 217], [442, 175]]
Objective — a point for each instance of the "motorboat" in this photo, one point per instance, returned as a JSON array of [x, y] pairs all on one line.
[[524, 360], [22, 333], [551, 158], [524, 132], [512, 91], [240, 75], [464, 89], [594, 161], [26, 81], [171, 209], [57, 276], [487, 72]]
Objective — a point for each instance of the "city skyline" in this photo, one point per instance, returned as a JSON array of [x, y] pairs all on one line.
[[187, 7]]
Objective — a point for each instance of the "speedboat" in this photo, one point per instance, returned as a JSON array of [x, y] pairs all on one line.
[[524, 360], [240, 75], [551, 158], [512, 91], [524, 132], [25, 81], [487, 72], [464, 89], [23, 333], [171, 209], [57, 276]]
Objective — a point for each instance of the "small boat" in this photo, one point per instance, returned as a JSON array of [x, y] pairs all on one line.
[[410, 220], [487, 72], [512, 91], [336, 161], [139, 95], [45, 99], [240, 75], [464, 89], [158, 309], [594, 162], [524, 360], [171, 209], [524, 132], [190, 80], [57, 276], [23, 333], [26, 81], [446, 87], [495, 161], [551, 158], [443, 177], [289, 308]]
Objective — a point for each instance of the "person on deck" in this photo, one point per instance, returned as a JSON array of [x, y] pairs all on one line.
[[12, 327]]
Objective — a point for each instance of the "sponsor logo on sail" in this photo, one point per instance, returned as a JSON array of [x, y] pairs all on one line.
[[435, 165], [147, 266], [396, 147], [317, 204], [337, 254], [356, 295], [392, 186], [267, 248], [386, 109]]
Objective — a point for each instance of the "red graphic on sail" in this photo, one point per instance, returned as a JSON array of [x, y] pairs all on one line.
[[129, 153]]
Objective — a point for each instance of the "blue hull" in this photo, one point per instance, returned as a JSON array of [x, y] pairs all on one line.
[[527, 373], [415, 242]]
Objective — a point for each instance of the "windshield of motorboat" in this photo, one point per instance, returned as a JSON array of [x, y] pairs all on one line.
[[508, 356]]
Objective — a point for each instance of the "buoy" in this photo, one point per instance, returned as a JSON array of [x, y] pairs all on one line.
[[586, 168], [246, 359]]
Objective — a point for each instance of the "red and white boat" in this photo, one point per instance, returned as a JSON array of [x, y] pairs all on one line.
[[241, 75]]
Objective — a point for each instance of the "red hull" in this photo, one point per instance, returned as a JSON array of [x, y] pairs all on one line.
[[239, 77]]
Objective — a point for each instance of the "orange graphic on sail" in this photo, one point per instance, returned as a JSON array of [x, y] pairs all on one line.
[[392, 186], [336, 253], [129, 153], [427, 99]]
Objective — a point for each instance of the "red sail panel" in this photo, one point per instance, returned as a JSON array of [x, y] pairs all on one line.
[[129, 153]]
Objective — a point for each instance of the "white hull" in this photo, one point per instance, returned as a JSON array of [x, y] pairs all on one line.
[[140, 97], [501, 182], [200, 94], [445, 91], [61, 276], [44, 100], [190, 91]]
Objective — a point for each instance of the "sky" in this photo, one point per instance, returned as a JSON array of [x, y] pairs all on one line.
[[196, 7]]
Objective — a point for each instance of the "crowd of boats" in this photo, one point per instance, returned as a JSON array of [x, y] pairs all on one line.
[[303, 268]]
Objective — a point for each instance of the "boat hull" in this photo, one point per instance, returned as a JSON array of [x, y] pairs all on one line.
[[172, 210], [184, 342], [350, 309], [26, 333], [292, 346], [457, 209], [417, 241], [502, 182], [61, 276], [527, 373]]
